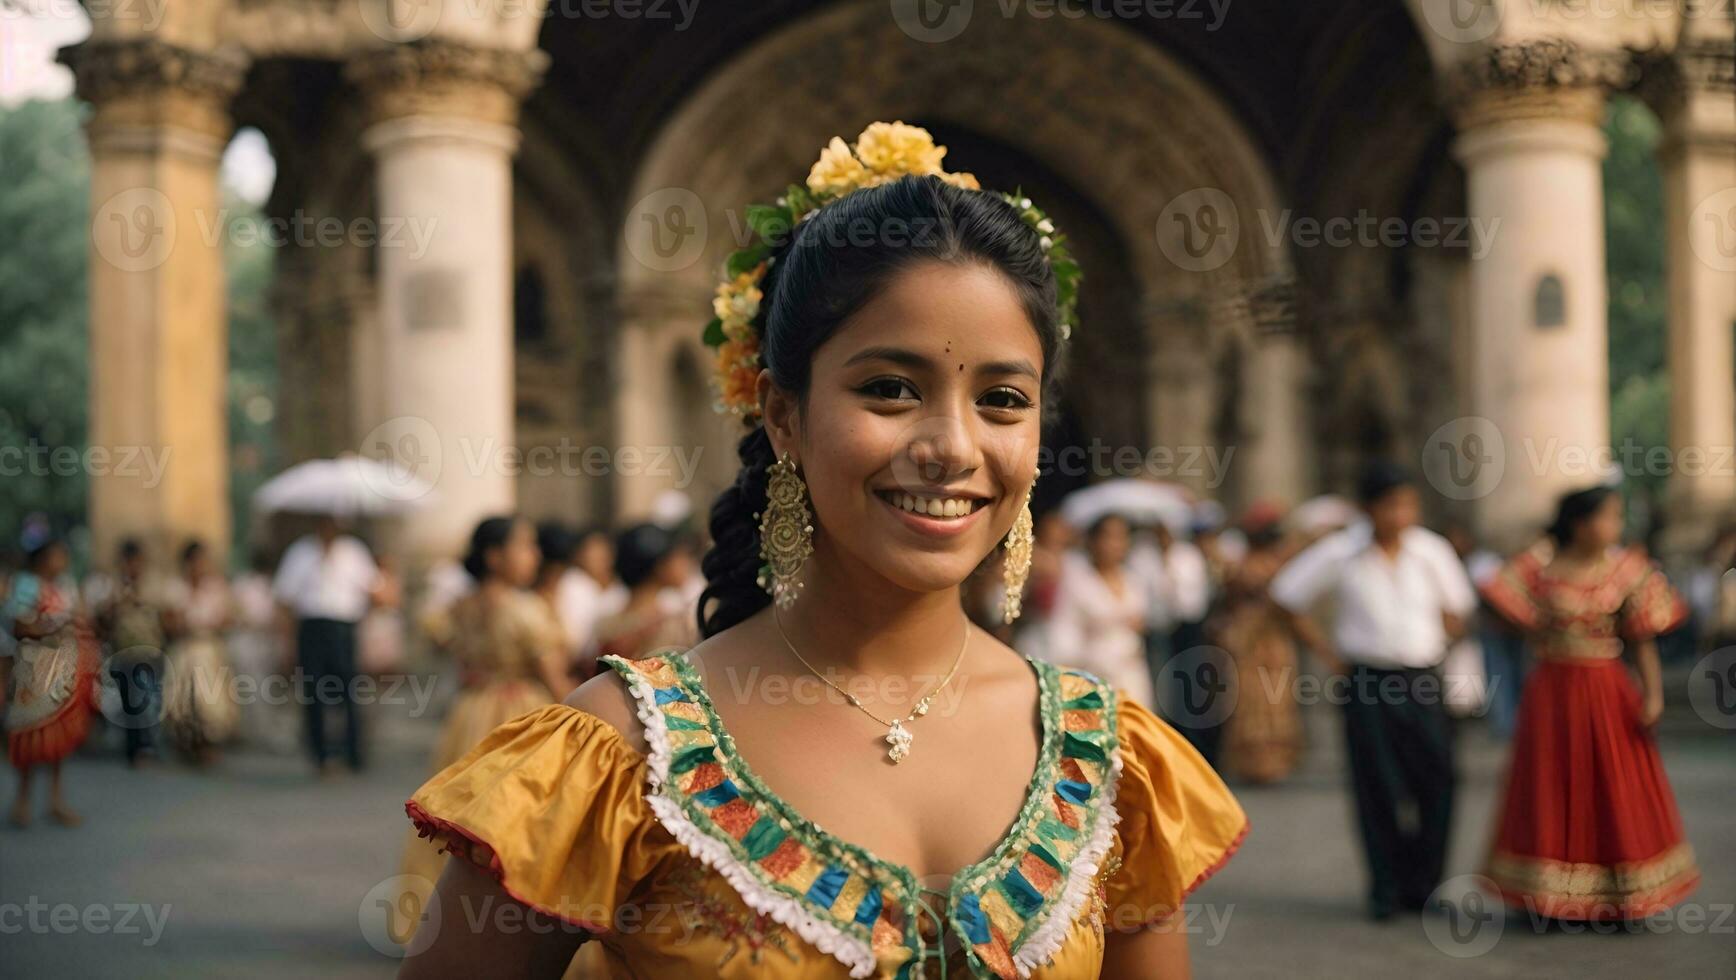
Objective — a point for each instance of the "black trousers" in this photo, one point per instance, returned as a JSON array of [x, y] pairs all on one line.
[[326, 652], [137, 673], [1401, 766], [1197, 720]]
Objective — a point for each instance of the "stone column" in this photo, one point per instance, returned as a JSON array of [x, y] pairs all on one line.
[[1529, 120], [1695, 96], [1275, 463], [648, 419], [159, 434], [1179, 372], [443, 134]]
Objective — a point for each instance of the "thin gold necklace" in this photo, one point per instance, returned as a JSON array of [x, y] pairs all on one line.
[[897, 736]]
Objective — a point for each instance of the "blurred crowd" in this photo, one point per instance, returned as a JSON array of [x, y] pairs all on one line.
[[1147, 585]]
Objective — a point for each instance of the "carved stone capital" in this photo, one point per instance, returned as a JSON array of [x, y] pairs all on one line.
[[1548, 78], [143, 86], [443, 78], [1679, 84]]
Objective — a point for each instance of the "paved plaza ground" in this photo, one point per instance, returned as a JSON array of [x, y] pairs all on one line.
[[253, 869]]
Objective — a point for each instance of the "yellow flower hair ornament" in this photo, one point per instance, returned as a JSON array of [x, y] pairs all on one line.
[[883, 152]]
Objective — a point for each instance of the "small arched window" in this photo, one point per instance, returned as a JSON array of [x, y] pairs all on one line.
[[1549, 305]]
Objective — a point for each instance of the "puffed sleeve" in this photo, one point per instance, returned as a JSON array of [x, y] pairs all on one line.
[[1652, 605], [1178, 822], [1512, 591], [552, 804]]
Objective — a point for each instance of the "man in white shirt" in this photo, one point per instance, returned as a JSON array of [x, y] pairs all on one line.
[[326, 583], [1179, 583], [1402, 598]]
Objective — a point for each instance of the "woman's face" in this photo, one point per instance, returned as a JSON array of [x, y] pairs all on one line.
[[1109, 543], [1603, 528], [926, 400], [597, 557], [518, 557]]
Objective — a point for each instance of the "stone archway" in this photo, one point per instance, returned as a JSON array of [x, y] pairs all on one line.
[[1139, 158]]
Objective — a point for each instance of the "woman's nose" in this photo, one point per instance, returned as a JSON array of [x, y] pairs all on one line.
[[936, 448]]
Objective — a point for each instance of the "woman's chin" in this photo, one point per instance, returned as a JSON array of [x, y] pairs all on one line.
[[926, 574]]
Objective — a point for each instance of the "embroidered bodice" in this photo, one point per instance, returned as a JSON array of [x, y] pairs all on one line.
[[1121, 819], [1585, 620]]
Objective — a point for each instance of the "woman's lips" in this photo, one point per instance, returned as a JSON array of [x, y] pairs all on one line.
[[929, 524]]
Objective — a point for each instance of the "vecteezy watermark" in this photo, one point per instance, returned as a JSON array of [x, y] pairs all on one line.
[[133, 683], [413, 455], [935, 21], [33, 915], [1472, 21], [1468, 457], [833, 687], [136, 230], [317, 231], [1712, 230], [403, 915], [1210, 465], [143, 463], [668, 230], [567, 458], [1471, 920], [410, 20], [1465, 458], [1197, 688], [1199, 230], [1202, 686], [142, 14], [1712, 688]]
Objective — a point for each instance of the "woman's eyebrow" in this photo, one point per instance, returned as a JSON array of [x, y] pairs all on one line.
[[1015, 366], [897, 355]]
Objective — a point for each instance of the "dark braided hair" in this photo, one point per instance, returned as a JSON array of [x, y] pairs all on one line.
[[820, 276]]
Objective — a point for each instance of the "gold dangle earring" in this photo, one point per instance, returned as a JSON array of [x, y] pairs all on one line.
[[786, 532], [1016, 566]]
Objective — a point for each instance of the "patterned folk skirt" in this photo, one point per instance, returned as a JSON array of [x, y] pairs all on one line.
[[1589, 830]]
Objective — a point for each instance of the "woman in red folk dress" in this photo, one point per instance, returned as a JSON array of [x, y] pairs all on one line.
[[1589, 829], [49, 655]]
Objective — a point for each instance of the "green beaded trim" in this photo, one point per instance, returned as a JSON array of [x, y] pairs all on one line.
[[896, 881], [857, 859]]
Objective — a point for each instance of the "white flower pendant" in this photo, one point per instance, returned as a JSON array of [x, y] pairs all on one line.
[[899, 739]]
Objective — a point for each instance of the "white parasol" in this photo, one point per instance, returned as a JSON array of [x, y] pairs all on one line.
[[1324, 513], [349, 486], [1140, 501]]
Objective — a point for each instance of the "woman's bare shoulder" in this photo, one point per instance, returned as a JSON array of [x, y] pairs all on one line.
[[606, 697]]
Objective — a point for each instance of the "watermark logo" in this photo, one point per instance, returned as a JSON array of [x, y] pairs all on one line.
[[1196, 688], [1462, 21], [1471, 920], [932, 21], [409, 450], [1199, 230], [667, 229], [1712, 230], [1465, 458], [134, 230], [1712, 688], [398, 21], [130, 691], [400, 916]]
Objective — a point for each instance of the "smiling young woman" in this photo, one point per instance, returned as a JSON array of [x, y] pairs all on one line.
[[849, 780]]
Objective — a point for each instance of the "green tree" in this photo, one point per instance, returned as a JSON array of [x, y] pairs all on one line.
[[45, 213], [44, 339], [1638, 318]]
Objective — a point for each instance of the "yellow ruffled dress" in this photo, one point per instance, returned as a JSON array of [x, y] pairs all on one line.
[[1122, 820]]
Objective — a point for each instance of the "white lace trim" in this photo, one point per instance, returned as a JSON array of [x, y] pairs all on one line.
[[1042, 945], [715, 854]]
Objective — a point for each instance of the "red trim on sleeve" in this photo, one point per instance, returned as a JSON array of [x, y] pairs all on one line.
[[428, 825], [1200, 879]]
